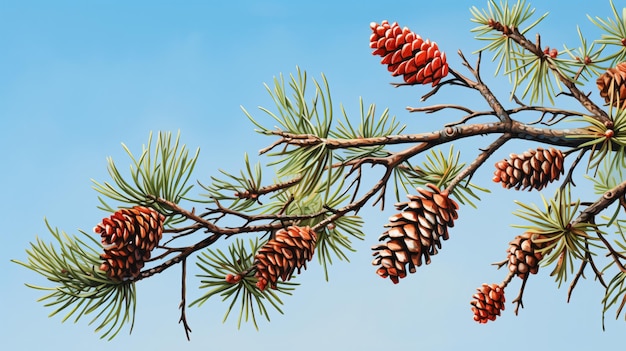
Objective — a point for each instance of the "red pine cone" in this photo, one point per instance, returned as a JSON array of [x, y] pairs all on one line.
[[128, 237], [405, 53], [289, 250], [487, 303], [612, 85], [415, 233], [533, 169]]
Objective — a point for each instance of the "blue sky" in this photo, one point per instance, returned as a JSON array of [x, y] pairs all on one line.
[[79, 78]]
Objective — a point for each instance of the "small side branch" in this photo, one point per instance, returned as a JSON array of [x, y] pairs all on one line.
[[596, 111], [518, 300], [569, 178], [579, 274], [491, 99], [183, 301], [480, 159], [255, 193], [603, 202]]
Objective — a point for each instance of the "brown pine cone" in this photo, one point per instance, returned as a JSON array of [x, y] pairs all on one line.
[[405, 53], [289, 250], [415, 233], [533, 169], [612, 85], [488, 303], [524, 254], [128, 237]]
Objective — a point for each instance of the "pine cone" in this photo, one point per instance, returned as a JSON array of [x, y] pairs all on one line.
[[524, 254], [406, 53], [289, 250], [612, 85], [414, 233], [487, 303], [128, 237], [533, 169]]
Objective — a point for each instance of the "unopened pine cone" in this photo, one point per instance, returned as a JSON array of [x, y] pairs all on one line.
[[524, 254], [415, 234], [405, 53], [128, 237], [488, 303], [533, 169], [288, 251], [612, 85]]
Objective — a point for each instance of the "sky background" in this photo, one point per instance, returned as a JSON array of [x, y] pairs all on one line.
[[79, 78]]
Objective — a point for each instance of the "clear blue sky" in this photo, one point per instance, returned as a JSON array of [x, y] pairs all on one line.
[[79, 78]]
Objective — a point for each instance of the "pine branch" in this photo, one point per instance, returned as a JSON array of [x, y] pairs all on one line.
[[599, 205], [479, 160], [535, 48], [484, 90], [568, 137]]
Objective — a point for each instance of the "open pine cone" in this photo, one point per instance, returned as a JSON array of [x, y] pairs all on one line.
[[414, 234], [290, 249], [533, 169], [524, 254], [612, 85], [128, 237]]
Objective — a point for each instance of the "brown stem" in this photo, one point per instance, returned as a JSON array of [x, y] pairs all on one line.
[[555, 112], [480, 159], [484, 90], [568, 137], [518, 300], [603, 202], [254, 193], [596, 111], [183, 303], [569, 177], [211, 227], [178, 258], [579, 274]]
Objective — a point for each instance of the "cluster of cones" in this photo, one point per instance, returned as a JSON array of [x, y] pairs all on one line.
[[524, 254]]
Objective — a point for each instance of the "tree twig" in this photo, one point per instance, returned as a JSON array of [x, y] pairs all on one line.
[[518, 300], [596, 111], [183, 303]]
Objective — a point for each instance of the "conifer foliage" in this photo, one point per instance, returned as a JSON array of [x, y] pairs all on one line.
[[250, 238]]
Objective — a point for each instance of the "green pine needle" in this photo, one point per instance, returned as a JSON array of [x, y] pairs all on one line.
[[80, 288], [163, 169], [564, 242], [244, 294]]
